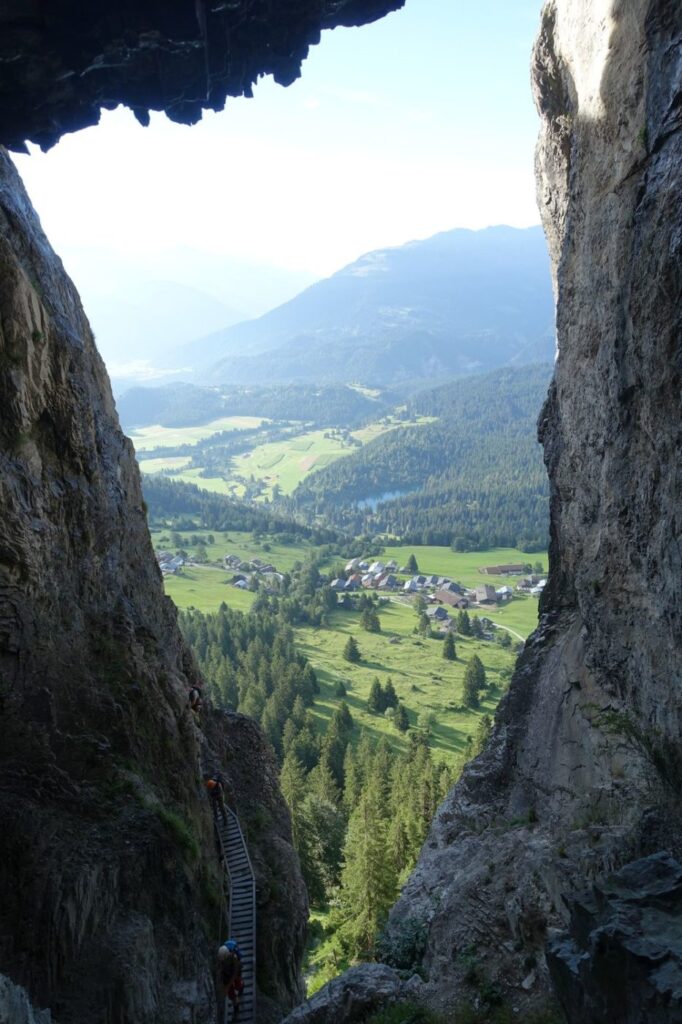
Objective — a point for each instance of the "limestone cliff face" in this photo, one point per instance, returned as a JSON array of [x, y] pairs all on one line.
[[585, 764], [108, 877]]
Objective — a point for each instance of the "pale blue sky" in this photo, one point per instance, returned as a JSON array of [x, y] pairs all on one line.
[[418, 123]]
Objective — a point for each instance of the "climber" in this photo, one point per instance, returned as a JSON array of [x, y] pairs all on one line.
[[230, 973], [216, 792], [195, 700]]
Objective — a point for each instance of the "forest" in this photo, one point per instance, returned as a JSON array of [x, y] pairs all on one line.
[[360, 808], [324, 405], [473, 479]]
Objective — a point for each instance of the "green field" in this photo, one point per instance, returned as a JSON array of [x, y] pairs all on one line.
[[147, 438], [282, 463], [206, 589], [161, 465], [520, 615], [236, 542], [424, 680]]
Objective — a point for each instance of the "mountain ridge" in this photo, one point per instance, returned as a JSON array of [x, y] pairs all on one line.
[[459, 302]]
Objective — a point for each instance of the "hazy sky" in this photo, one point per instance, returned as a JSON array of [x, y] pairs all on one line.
[[421, 122]]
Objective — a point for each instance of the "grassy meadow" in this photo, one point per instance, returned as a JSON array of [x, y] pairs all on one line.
[[277, 463], [148, 438], [424, 681]]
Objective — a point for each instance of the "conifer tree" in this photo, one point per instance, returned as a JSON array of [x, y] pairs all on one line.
[[476, 627], [390, 696], [471, 684], [400, 719], [412, 564], [351, 650], [375, 701], [449, 649], [368, 877], [464, 623]]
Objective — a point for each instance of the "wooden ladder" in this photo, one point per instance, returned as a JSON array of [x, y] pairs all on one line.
[[241, 916]]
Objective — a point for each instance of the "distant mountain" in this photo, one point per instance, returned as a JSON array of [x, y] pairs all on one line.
[[461, 302], [144, 305]]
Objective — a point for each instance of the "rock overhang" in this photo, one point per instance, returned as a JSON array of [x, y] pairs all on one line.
[[62, 62]]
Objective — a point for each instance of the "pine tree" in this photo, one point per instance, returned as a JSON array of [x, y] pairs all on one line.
[[368, 877], [412, 564], [424, 624], [370, 621], [351, 650], [449, 649], [479, 670], [375, 701], [471, 683], [464, 623], [390, 696], [476, 627], [400, 719]]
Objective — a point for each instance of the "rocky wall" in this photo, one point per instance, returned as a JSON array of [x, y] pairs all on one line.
[[583, 771], [109, 883]]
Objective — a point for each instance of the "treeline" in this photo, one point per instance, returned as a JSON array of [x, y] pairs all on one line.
[[179, 405], [171, 503], [474, 479]]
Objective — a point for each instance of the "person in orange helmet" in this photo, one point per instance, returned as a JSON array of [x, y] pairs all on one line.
[[216, 791]]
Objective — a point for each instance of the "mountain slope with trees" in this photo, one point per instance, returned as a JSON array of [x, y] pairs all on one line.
[[474, 478], [459, 302]]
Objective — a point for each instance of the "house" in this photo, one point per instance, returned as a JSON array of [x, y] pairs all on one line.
[[351, 584], [419, 580], [403, 568], [504, 594], [438, 614], [265, 567], [452, 588], [352, 565], [411, 587], [238, 578], [231, 561], [486, 595], [388, 582], [337, 584], [355, 578], [176, 563], [392, 565], [453, 600], [512, 569], [363, 566], [536, 591], [241, 585], [163, 556], [256, 563], [432, 581], [366, 580], [377, 567]]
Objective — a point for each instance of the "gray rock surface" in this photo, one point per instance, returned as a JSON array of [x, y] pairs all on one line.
[[356, 994], [109, 884], [583, 770], [15, 1006], [621, 960], [61, 63]]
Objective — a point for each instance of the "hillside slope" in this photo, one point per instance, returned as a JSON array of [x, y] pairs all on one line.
[[474, 477], [459, 302]]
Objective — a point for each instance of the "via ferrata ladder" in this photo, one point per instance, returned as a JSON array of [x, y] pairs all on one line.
[[241, 914]]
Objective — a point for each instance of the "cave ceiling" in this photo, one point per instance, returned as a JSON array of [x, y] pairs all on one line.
[[62, 61]]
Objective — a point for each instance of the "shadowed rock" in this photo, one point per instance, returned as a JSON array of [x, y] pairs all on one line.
[[622, 957]]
